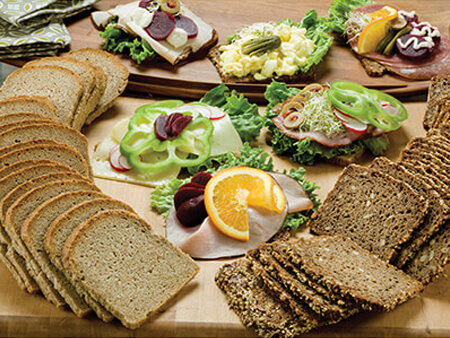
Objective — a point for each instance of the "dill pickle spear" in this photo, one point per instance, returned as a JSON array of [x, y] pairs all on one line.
[[261, 45]]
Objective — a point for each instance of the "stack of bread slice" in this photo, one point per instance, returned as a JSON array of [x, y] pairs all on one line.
[[284, 289], [61, 236], [79, 87], [399, 210], [438, 103]]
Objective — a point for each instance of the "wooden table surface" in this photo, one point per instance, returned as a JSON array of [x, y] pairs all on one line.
[[200, 310]]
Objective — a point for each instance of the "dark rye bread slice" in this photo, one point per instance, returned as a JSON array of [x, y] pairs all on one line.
[[33, 232], [214, 56], [300, 295], [116, 73], [35, 104], [442, 112], [438, 89], [126, 266], [435, 218], [376, 211], [22, 208], [22, 116], [60, 153], [431, 258], [61, 228], [52, 130], [254, 304], [342, 266], [61, 86]]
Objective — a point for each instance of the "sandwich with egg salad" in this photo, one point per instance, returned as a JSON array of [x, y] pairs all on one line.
[[287, 51]]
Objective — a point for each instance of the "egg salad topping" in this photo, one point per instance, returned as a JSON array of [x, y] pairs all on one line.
[[286, 59]]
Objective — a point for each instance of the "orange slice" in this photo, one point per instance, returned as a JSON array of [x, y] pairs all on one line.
[[375, 31], [231, 191]]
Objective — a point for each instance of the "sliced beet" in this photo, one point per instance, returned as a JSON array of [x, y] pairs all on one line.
[[409, 52], [187, 24], [170, 120], [179, 124], [185, 194], [159, 127], [192, 212], [161, 26], [145, 3], [201, 178], [192, 185]]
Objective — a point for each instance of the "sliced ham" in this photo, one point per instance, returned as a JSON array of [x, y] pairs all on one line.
[[205, 241], [437, 63]]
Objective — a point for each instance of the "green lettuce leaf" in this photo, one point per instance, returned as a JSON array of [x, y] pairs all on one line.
[[118, 41], [161, 199], [377, 145], [244, 115], [339, 11]]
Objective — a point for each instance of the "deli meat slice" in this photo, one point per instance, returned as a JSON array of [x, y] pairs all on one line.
[[437, 63]]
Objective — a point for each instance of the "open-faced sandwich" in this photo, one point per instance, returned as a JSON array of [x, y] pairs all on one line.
[[335, 123], [147, 29], [389, 39], [287, 51]]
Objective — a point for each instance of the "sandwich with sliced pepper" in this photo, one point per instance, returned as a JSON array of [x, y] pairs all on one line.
[[335, 122]]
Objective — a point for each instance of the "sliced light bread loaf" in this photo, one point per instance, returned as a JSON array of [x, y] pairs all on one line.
[[125, 266], [22, 208], [22, 116], [5, 171], [33, 232], [15, 274], [21, 269], [36, 104], [53, 131], [61, 86], [61, 153], [31, 143], [61, 228], [117, 77], [91, 94], [376, 211]]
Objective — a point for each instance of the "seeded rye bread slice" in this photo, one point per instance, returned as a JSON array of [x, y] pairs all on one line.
[[21, 209], [376, 211], [437, 214], [297, 304], [254, 304], [33, 232], [214, 55], [87, 73], [438, 89], [60, 85], [60, 153], [52, 131], [343, 267], [126, 266], [442, 112], [442, 130], [263, 263], [22, 116], [61, 228], [36, 104], [116, 73]]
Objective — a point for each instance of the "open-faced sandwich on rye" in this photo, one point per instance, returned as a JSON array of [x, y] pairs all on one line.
[[389, 39], [287, 51], [147, 29], [333, 122], [163, 137], [227, 210]]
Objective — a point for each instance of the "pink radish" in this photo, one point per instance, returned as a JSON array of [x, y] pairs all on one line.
[[351, 123], [217, 114], [117, 161]]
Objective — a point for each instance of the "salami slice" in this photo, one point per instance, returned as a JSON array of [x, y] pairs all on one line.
[[437, 63]]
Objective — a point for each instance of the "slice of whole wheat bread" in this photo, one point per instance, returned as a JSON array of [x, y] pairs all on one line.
[[35, 104], [146, 272]]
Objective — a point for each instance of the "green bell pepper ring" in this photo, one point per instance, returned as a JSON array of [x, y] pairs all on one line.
[[399, 112], [146, 153], [349, 97]]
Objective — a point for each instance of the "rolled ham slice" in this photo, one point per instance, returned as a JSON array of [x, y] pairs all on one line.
[[205, 241]]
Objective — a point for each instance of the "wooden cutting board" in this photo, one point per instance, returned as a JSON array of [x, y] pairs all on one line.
[[200, 310], [192, 79]]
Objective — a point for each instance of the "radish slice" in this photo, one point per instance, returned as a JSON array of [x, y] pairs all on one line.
[[351, 117], [217, 114], [190, 108], [351, 123], [117, 161]]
